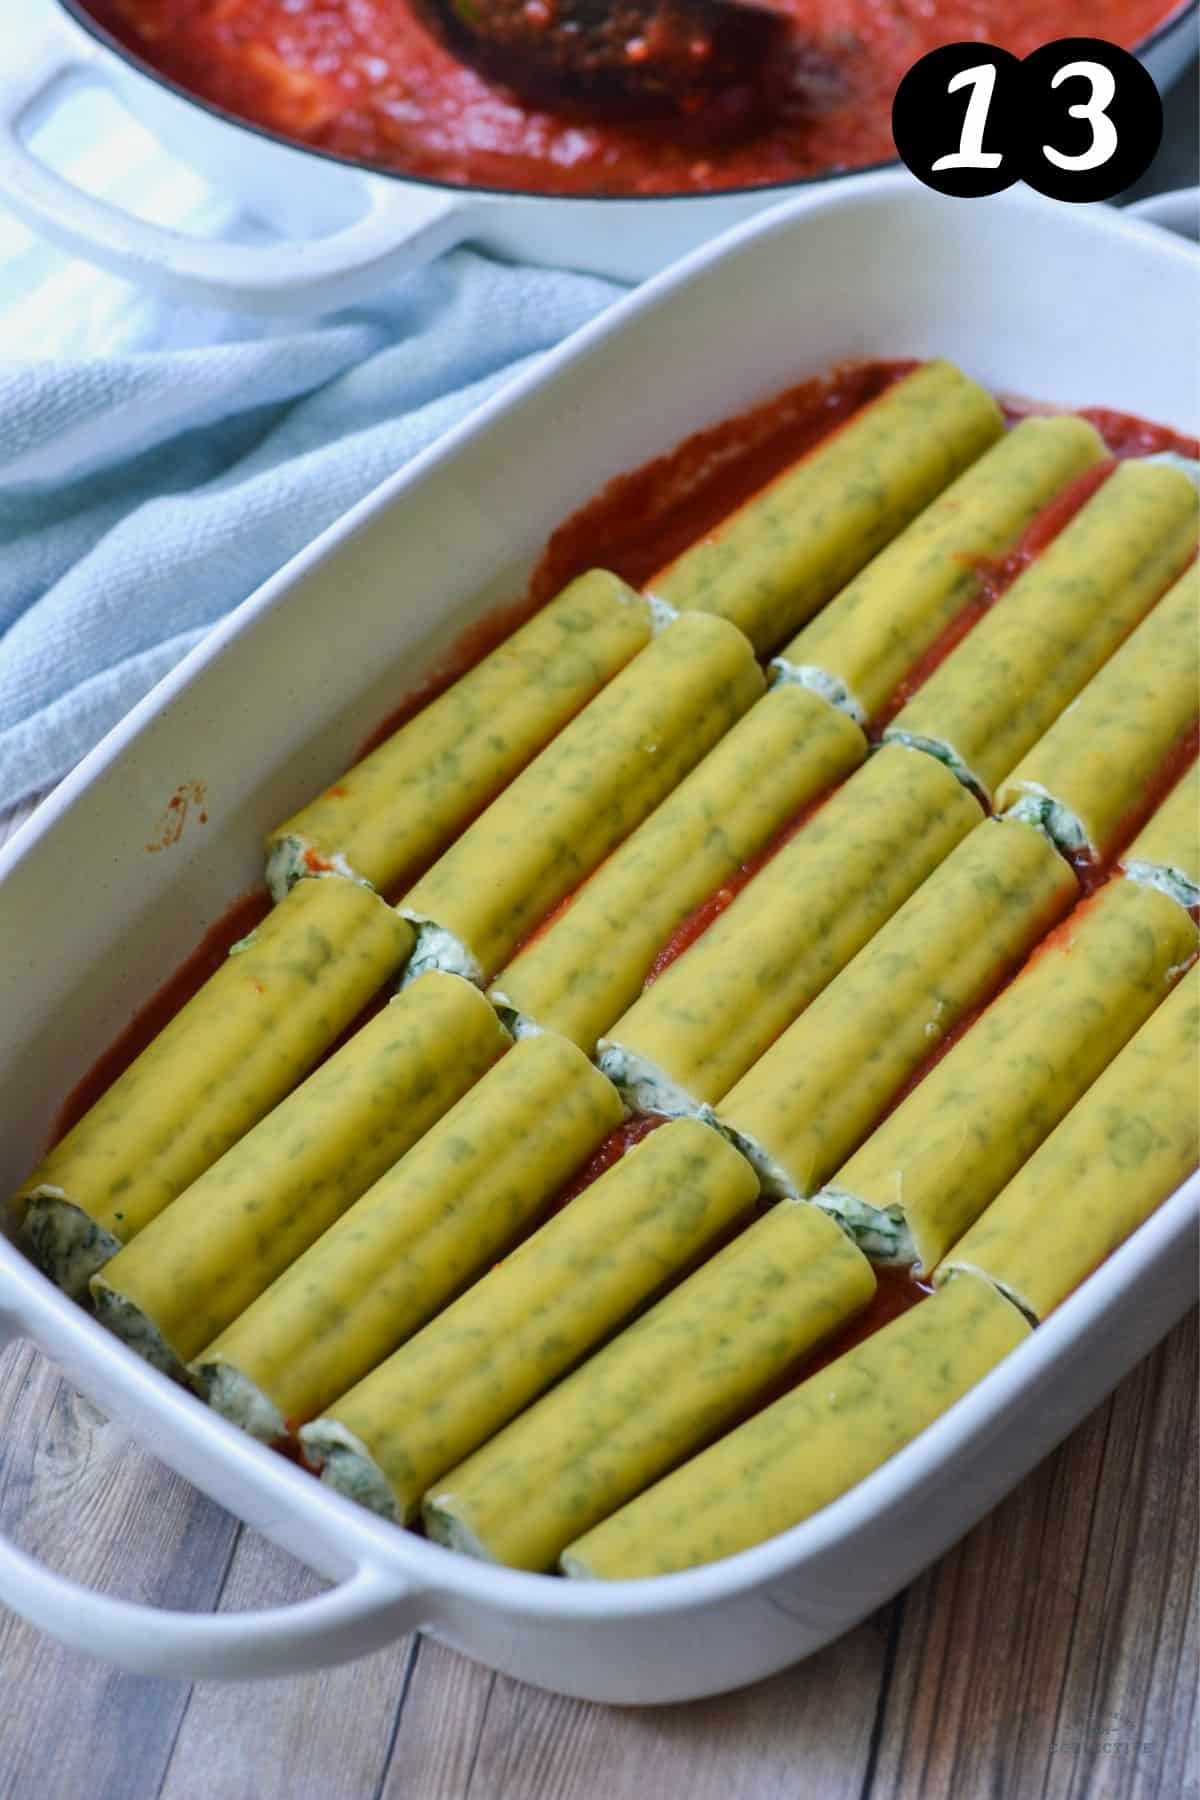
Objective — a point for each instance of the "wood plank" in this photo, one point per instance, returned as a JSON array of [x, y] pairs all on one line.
[[1055, 1651], [326, 1735], [466, 1734], [74, 1491]]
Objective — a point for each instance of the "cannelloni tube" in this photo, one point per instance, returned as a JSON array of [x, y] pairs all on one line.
[[1087, 776], [860, 647], [587, 790], [930, 1169], [1007, 682], [782, 555], [389, 815], [1166, 853], [815, 1444], [254, 1030], [418, 1236], [1129, 1142], [531, 1318], [818, 1091], [712, 1013], [578, 976], [229, 1235], [663, 1388]]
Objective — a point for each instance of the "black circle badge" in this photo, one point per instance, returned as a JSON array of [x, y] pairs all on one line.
[[1079, 119], [1092, 119], [956, 119]]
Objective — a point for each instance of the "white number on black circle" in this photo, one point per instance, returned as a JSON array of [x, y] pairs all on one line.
[[970, 153], [1104, 133]]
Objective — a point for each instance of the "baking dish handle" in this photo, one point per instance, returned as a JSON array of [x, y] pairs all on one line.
[[403, 224], [363, 1613]]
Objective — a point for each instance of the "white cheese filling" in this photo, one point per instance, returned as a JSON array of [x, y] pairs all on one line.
[[1171, 459], [514, 1021], [881, 1232], [347, 1466], [662, 613], [437, 948], [1056, 821], [286, 866], [1172, 882], [818, 681], [573, 1569], [645, 1088]]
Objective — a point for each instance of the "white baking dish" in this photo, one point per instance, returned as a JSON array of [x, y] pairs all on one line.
[[350, 230], [1074, 307]]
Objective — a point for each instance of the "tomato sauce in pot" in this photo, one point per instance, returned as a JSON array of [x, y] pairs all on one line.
[[365, 79]]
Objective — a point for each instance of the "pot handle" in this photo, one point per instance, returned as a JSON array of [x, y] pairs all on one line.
[[1178, 211], [403, 224], [363, 1613]]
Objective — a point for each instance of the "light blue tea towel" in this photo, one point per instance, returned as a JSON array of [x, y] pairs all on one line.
[[157, 463]]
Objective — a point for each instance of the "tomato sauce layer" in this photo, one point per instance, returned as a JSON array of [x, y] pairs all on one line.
[[364, 79]]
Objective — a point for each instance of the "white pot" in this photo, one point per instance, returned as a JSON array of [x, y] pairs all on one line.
[[348, 230]]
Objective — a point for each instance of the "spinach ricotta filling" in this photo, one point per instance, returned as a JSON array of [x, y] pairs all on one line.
[[881, 1232], [444, 1528], [515, 1022], [1172, 882], [241, 1401], [287, 864], [135, 1329], [348, 1467], [945, 754], [645, 1088], [1052, 818], [662, 613], [818, 681], [437, 948], [65, 1243], [772, 1175]]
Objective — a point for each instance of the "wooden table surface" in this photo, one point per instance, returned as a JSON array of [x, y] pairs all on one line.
[[1054, 1652]]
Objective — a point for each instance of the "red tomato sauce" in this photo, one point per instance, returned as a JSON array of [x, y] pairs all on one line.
[[1167, 777], [1092, 871], [996, 576], [364, 79], [469, 648], [641, 521], [897, 1291], [145, 1025], [636, 524], [1124, 433], [607, 1155], [710, 910]]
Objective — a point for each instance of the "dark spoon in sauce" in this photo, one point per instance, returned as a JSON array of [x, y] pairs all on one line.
[[617, 58]]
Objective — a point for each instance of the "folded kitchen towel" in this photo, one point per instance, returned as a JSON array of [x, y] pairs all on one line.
[[158, 463]]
